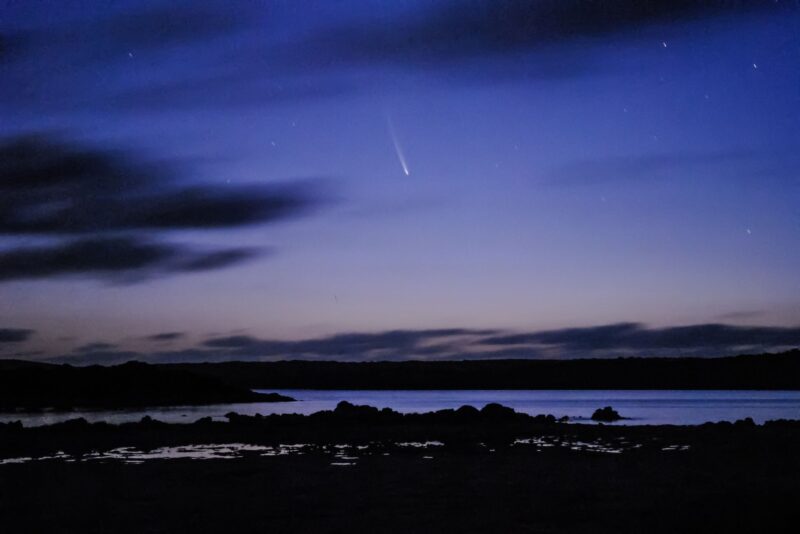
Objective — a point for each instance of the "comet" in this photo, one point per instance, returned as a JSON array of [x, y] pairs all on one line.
[[397, 148]]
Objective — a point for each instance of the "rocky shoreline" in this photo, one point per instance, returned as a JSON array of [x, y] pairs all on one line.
[[360, 469]]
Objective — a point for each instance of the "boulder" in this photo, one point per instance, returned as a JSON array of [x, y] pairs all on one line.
[[606, 415]]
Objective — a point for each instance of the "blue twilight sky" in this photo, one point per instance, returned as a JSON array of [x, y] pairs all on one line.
[[406, 179]]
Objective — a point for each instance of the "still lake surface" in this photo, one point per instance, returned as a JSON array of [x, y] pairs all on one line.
[[643, 407]]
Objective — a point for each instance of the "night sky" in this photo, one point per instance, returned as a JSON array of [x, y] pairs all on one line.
[[398, 179]]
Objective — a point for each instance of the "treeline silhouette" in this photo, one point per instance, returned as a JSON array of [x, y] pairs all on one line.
[[28, 385], [766, 371], [33, 385]]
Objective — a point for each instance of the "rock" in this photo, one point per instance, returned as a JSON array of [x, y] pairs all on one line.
[[469, 412], [347, 409], [746, 422], [607, 414], [494, 410]]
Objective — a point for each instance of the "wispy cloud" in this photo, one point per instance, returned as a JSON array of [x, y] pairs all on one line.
[[97, 346], [120, 259], [152, 29], [204, 53], [458, 32], [107, 210], [14, 335], [166, 336], [391, 344], [52, 187], [604, 341], [637, 339]]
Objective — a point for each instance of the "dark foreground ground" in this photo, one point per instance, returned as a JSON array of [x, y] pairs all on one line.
[[724, 478]]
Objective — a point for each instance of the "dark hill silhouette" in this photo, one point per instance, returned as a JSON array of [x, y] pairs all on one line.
[[35, 385], [29, 385], [766, 371]]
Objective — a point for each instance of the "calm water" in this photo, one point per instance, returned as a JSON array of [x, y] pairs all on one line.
[[643, 407]]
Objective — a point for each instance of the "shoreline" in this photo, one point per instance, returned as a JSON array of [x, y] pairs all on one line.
[[463, 428], [360, 469], [750, 486]]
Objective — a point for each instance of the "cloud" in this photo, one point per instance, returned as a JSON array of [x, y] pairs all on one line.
[[149, 29], [10, 46], [603, 341], [232, 342], [180, 52], [107, 209], [121, 259], [391, 344], [51, 187], [95, 347], [625, 338], [207, 54], [599, 341], [166, 336], [206, 261], [174, 23], [459, 31], [576, 338], [14, 335]]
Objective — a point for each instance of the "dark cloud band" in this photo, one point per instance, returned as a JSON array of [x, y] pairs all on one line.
[[14, 335], [166, 336], [124, 259], [637, 337], [458, 31], [50, 187], [614, 340], [108, 210]]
